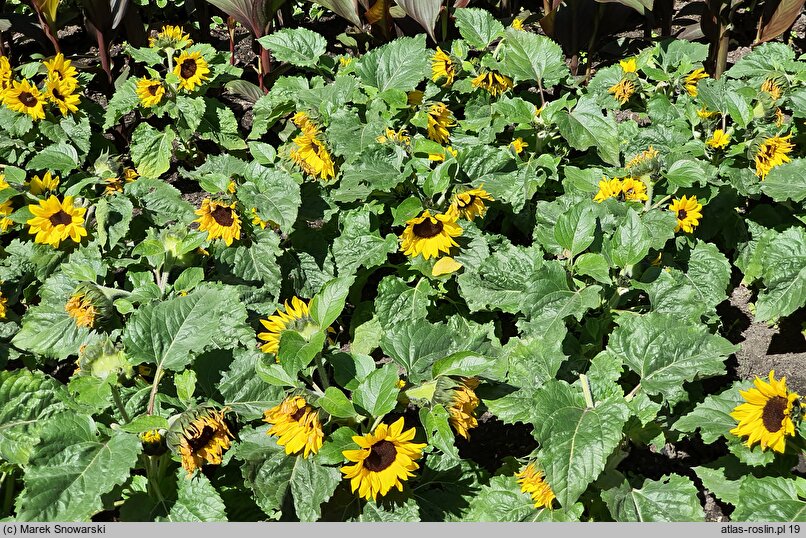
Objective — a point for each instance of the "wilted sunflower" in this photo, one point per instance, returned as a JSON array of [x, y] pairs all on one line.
[[766, 415], [772, 152], [779, 117], [62, 70], [518, 145], [534, 483], [6, 209], [55, 221], [60, 93], [297, 426], [772, 88], [150, 91], [385, 460], [293, 317], [629, 65], [170, 36], [442, 67], [192, 70], [687, 212], [608, 188], [623, 90], [198, 436], [463, 406], [26, 98], [633, 190], [310, 152], [692, 79], [219, 220], [81, 309], [718, 140], [495, 83], [469, 204], [47, 183], [429, 235], [439, 120]]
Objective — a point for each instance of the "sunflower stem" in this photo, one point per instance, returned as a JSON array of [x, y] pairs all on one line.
[[375, 424], [153, 481], [119, 404], [662, 201], [152, 397], [633, 392], [586, 390]]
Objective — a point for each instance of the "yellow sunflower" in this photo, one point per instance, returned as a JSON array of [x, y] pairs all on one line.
[[297, 426], [200, 437], [518, 145], [3, 307], [692, 79], [766, 415], [429, 235], [25, 97], [47, 183], [442, 67], [495, 83], [60, 93], [291, 317], [439, 120], [150, 91], [534, 483], [687, 212], [82, 310], [608, 188], [772, 152], [191, 69], [62, 70], [469, 204], [718, 140], [772, 88], [623, 90], [463, 407], [6, 76], [6, 209], [704, 113], [219, 220], [628, 66], [385, 460], [55, 221], [633, 189], [170, 36], [310, 153]]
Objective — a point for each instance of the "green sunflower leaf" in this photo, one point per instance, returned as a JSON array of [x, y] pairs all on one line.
[[712, 416], [257, 261], [113, 216], [60, 157], [417, 345], [786, 182], [311, 485], [532, 57], [336, 403], [771, 499], [274, 194], [502, 500], [197, 500], [298, 46], [784, 275], [327, 305], [163, 202], [377, 393], [400, 65], [72, 468], [585, 126], [666, 351], [397, 302], [630, 242], [151, 150], [575, 228], [672, 498], [244, 392], [478, 27], [359, 245], [436, 422]]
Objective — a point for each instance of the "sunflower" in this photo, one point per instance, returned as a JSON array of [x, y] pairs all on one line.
[[772, 88], [153, 443], [81, 309], [644, 156], [62, 70], [199, 436], [441, 156], [766, 415], [25, 97], [704, 113], [439, 120], [633, 190], [463, 407], [384, 460], [170, 36], [219, 220], [390, 135], [55, 221], [191, 69], [687, 212], [718, 140], [297, 426], [3, 307], [495, 83], [429, 235], [534, 483], [518, 145], [442, 67], [60, 93], [623, 90], [469, 204], [692, 79], [310, 152], [47, 183], [628, 66], [150, 91], [772, 152], [608, 188], [6, 75], [292, 317], [6, 209]]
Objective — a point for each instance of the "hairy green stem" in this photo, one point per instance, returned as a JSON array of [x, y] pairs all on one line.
[[153, 395], [119, 404], [320, 367]]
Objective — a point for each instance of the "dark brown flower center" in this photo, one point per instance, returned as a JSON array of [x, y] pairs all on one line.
[[381, 455], [681, 214], [299, 413], [152, 89], [28, 99], [428, 228], [200, 441], [774, 413], [223, 216], [188, 68], [57, 94], [466, 200], [60, 218]]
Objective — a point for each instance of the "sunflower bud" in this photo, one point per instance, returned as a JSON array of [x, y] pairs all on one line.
[[153, 443], [645, 163], [103, 359]]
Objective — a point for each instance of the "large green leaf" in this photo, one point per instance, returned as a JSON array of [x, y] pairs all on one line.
[[311, 485], [151, 150], [298, 46], [256, 262], [399, 65], [273, 193], [672, 498], [243, 391], [786, 182], [586, 126], [712, 416], [60, 157], [478, 27], [575, 228], [72, 468], [534, 58], [377, 393], [398, 302], [198, 500], [784, 275], [416, 345], [359, 245], [326, 306], [771, 499]]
